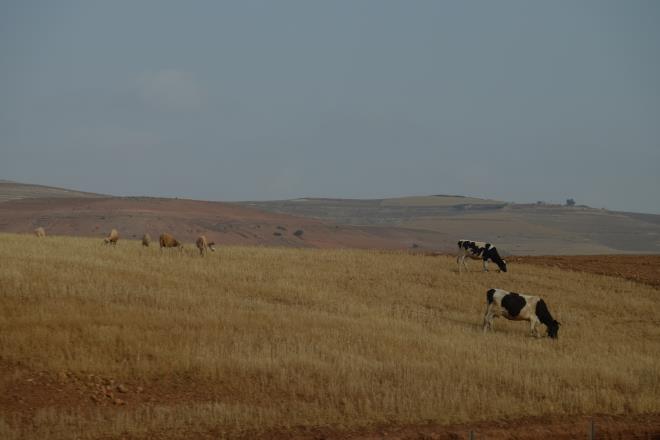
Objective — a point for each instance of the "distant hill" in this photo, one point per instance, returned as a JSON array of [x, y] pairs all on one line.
[[439, 200], [424, 223], [224, 223], [522, 229], [13, 190], [394, 211]]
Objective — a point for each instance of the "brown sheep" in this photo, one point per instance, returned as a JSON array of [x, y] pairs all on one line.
[[168, 241], [203, 245], [40, 232], [112, 237], [146, 240]]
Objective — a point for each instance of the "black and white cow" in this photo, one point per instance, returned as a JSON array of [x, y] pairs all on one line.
[[517, 307], [478, 250]]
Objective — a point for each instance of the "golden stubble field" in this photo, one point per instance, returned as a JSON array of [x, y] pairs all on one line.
[[250, 339]]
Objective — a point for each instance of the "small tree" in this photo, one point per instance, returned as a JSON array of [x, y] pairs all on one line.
[[570, 202]]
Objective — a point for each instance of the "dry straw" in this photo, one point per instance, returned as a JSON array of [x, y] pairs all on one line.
[[283, 337]]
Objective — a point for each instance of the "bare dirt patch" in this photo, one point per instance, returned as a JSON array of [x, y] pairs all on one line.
[[641, 268], [32, 391]]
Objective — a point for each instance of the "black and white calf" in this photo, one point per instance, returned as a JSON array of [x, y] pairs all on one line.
[[478, 250], [517, 307]]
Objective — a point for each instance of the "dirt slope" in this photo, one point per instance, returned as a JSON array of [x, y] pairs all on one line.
[[224, 223]]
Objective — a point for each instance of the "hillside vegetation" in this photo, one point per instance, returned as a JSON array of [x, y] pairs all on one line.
[[249, 339]]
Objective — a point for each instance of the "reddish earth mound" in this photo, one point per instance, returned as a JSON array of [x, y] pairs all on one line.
[[641, 268], [224, 223]]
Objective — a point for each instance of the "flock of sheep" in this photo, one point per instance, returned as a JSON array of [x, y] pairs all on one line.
[[165, 240]]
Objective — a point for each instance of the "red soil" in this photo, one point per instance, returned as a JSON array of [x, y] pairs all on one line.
[[640, 268]]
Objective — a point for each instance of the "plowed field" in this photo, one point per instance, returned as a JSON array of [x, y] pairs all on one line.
[[641, 268]]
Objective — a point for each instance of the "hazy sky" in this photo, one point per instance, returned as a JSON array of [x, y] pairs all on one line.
[[513, 100]]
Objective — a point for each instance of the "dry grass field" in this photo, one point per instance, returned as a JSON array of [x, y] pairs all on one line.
[[127, 342]]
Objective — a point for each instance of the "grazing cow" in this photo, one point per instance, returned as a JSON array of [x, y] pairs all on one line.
[[146, 240], [517, 307], [168, 241], [40, 232], [203, 245], [112, 237], [478, 250]]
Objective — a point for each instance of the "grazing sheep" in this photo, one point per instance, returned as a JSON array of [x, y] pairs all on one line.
[[168, 241], [112, 237], [146, 240], [203, 245], [40, 232]]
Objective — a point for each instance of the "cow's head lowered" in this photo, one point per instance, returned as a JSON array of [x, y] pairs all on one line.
[[553, 329], [546, 318], [495, 257]]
